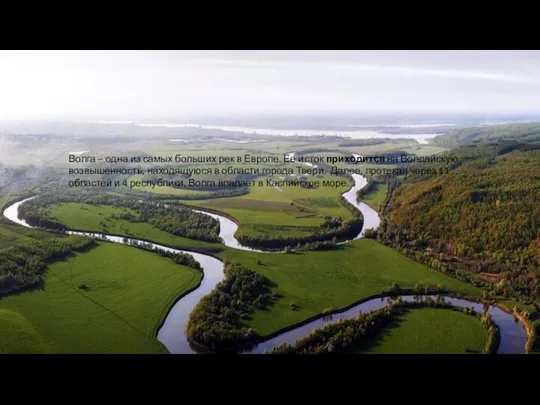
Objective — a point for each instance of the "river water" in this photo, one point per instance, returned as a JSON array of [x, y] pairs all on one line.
[[371, 218], [172, 335], [513, 334], [352, 133]]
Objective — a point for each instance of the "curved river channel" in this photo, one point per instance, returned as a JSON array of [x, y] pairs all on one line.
[[172, 335]]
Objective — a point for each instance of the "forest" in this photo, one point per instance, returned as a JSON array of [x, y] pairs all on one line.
[[460, 136], [176, 219], [345, 334], [21, 265], [480, 222], [216, 321]]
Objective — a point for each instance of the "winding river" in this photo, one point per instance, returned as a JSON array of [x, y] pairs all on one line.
[[172, 336]]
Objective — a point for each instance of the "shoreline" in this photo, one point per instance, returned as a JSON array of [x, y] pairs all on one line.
[[283, 330]]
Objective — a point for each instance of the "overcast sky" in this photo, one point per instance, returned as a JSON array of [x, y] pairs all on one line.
[[145, 84]]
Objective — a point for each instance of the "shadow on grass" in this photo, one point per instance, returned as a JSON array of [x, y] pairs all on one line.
[[344, 246], [375, 340], [272, 298], [39, 285]]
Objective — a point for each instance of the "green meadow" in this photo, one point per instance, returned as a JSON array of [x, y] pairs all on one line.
[[19, 336], [320, 280], [87, 217], [9, 238], [376, 196], [290, 206], [313, 281], [428, 331], [166, 190], [129, 293]]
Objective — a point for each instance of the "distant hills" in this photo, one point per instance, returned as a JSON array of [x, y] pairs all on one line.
[[526, 132]]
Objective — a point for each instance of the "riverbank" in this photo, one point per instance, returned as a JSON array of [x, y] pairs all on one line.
[[171, 332]]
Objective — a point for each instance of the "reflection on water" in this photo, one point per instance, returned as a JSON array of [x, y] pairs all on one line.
[[12, 213]]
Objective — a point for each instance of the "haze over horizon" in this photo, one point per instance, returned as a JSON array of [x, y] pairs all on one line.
[[157, 85]]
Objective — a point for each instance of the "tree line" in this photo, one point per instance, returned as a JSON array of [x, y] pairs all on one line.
[[326, 235], [224, 193], [21, 265], [183, 259], [217, 320], [346, 334], [176, 219]]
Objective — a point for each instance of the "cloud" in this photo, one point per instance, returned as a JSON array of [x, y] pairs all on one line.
[[132, 84], [378, 69]]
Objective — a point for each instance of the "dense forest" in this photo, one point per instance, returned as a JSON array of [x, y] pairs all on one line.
[[345, 334], [480, 222], [21, 265], [216, 321], [176, 219]]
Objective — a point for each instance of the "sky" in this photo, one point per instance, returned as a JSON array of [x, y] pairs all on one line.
[[147, 85]]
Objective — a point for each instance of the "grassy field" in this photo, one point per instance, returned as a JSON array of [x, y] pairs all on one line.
[[166, 189], [428, 331], [423, 150], [376, 196], [318, 280], [270, 230], [129, 292], [90, 218], [19, 336], [282, 206], [289, 206], [9, 238]]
